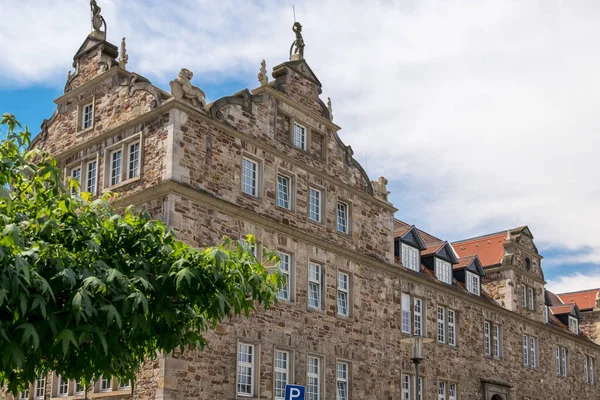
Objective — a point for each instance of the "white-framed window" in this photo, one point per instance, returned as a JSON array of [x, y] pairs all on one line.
[[442, 390], [419, 386], [558, 364], [105, 384], [40, 388], [487, 339], [343, 297], [419, 317], [342, 217], [285, 268], [24, 395], [87, 115], [452, 391], [91, 176], [473, 283], [284, 198], [79, 388], [342, 380], [123, 161], [573, 325], [282, 373], [405, 386], [250, 177], [133, 170], [314, 285], [446, 390], [443, 271], [546, 314], [411, 257], [592, 366], [76, 175], [497, 340], [86, 173], [313, 381], [586, 377], [441, 317], [524, 296], [123, 384], [299, 136], [245, 370], [314, 204], [565, 361], [531, 298], [533, 348], [526, 350], [406, 313], [62, 388], [451, 327]]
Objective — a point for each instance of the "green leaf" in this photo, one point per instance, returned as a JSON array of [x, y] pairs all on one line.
[[66, 337], [11, 234], [112, 313], [182, 274], [29, 333]]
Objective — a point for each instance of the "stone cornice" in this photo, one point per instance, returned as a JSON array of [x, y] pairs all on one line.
[[172, 187], [516, 269], [91, 83]]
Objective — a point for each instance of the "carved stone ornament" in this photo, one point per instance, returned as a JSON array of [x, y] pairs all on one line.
[[97, 18], [68, 83], [598, 300], [297, 49], [136, 82], [380, 188], [330, 109], [263, 79], [349, 154], [123, 56], [182, 88]]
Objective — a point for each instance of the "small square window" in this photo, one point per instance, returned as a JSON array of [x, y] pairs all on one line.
[[105, 384]]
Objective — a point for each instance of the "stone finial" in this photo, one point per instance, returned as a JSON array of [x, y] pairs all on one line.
[[597, 299], [330, 109], [123, 56], [182, 88], [297, 49], [262, 74], [380, 188], [97, 18]]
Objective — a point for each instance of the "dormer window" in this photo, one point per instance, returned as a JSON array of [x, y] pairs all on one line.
[[473, 283], [573, 325], [411, 257], [443, 271]]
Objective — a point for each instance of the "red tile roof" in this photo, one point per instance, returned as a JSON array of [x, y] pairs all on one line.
[[489, 248], [401, 226], [562, 309], [464, 262], [585, 300], [554, 299], [432, 248]]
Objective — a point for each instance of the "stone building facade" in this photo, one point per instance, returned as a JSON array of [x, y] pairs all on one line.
[[269, 162]]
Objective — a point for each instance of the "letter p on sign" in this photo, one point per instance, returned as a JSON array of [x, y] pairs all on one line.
[[294, 392]]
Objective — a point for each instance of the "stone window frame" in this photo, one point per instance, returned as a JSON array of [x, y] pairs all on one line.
[[321, 374], [292, 190], [417, 253], [531, 351], [589, 370], [348, 380], [411, 312], [348, 204], [445, 323], [473, 288], [124, 146], [259, 176], [290, 363], [255, 368], [445, 272], [291, 298], [83, 164], [412, 383], [493, 338], [348, 292], [293, 123], [322, 289], [531, 298], [322, 137], [447, 384], [322, 204], [81, 105], [573, 325]]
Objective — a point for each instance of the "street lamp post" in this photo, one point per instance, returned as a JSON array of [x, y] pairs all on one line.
[[417, 356]]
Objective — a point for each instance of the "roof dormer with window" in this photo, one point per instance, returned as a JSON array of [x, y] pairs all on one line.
[[569, 315], [469, 271], [408, 246], [440, 257]]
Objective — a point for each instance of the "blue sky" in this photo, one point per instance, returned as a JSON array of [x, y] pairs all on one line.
[[482, 116]]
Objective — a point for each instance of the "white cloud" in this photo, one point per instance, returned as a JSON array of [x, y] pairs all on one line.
[[573, 283], [484, 115]]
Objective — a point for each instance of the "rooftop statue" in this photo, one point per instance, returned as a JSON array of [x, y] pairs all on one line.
[[297, 48], [182, 88], [97, 18]]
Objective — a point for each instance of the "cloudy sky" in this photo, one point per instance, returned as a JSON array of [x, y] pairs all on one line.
[[483, 116]]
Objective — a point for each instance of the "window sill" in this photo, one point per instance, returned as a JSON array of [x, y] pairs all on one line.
[[314, 309], [317, 223], [79, 133], [286, 210], [344, 317], [120, 185], [255, 198]]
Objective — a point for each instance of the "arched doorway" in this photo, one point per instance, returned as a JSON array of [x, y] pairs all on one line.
[[497, 397]]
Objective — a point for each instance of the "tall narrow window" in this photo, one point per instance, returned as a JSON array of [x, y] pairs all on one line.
[[342, 295], [573, 325], [557, 360], [496, 340], [313, 387], [342, 381], [342, 217], [283, 191], [76, 175], [314, 285], [473, 284], [314, 204], [418, 313], [524, 296], [406, 322], [282, 372], [525, 350], [245, 370], [299, 136], [411, 258], [115, 167], [564, 361], [90, 183], [87, 116], [105, 384], [406, 387], [585, 370], [592, 372], [441, 325], [531, 297], [79, 388], [533, 348], [442, 390], [486, 339], [134, 160], [249, 177], [63, 387], [443, 271], [284, 268], [451, 327], [40, 388], [546, 314], [452, 391], [419, 386]]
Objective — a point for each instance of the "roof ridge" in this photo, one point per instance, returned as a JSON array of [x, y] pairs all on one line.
[[578, 291], [484, 236]]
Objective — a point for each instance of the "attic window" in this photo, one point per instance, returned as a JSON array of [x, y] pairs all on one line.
[[528, 264], [473, 284], [573, 325], [443, 271], [411, 258]]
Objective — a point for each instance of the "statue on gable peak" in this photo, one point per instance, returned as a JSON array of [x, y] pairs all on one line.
[[182, 88], [97, 18], [380, 188], [297, 49]]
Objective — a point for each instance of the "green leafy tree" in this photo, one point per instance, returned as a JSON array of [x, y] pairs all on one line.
[[86, 291]]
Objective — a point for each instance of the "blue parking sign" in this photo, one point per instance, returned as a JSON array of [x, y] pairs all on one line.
[[294, 392]]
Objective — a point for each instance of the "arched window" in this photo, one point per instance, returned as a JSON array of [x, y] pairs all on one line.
[[497, 397]]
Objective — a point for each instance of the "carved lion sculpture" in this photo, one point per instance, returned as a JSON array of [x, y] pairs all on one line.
[[182, 88]]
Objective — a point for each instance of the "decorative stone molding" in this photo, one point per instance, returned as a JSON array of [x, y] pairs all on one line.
[[123, 56], [136, 82], [243, 98], [263, 79], [330, 109], [182, 88]]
